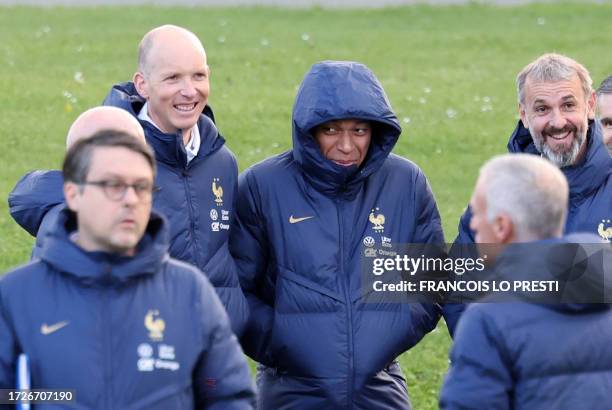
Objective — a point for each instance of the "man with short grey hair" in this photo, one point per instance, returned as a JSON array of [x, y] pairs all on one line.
[[604, 110], [527, 354], [556, 107], [536, 212]]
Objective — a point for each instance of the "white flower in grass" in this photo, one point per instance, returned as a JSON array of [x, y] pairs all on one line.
[[78, 77]]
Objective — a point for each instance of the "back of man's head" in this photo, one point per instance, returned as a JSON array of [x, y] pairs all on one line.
[[530, 190], [553, 67], [104, 118], [78, 157]]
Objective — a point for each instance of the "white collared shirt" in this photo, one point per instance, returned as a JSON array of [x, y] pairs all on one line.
[[193, 145]]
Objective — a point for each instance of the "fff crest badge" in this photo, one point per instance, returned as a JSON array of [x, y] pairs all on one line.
[[378, 220], [155, 325], [217, 191], [604, 229]]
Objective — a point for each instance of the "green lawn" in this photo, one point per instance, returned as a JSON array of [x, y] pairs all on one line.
[[449, 73]]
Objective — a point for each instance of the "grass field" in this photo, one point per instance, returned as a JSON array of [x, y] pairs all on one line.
[[449, 73]]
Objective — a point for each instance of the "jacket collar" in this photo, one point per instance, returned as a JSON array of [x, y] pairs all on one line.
[[583, 178], [169, 148], [60, 252], [574, 257]]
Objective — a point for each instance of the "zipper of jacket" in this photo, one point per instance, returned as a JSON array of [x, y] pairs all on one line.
[[345, 285], [107, 331], [196, 254]]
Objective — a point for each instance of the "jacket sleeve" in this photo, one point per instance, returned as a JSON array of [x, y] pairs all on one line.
[[429, 225], [221, 379], [35, 194], [480, 372], [222, 272], [452, 311], [465, 234], [250, 248], [428, 230]]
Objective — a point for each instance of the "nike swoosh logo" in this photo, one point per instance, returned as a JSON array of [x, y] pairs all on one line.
[[46, 329], [293, 220]]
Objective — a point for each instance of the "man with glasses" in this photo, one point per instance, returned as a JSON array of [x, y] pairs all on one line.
[[197, 172], [38, 198], [105, 312]]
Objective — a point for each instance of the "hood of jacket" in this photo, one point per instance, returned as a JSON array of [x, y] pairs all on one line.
[[169, 148], [577, 261], [583, 178], [334, 90], [67, 257]]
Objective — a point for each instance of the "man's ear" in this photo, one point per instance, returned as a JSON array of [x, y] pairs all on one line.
[[140, 82], [591, 103], [523, 116], [503, 228], [72, 195]]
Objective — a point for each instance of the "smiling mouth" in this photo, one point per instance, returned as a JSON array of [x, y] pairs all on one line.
[[186, 107], [560, 137]]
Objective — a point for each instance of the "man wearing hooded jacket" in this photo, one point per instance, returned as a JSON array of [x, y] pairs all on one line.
[[556, 98], [302, 219], [556, 104], [197, 173], [105, 312]]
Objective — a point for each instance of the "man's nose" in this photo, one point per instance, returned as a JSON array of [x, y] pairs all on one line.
[[130, 196], [188, 89], [345, 142], [557, 119]]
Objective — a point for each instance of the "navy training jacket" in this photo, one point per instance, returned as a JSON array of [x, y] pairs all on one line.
[[533, 356], [196, 198], [590, 185], [124, 332], [301, 223], [590, 192]]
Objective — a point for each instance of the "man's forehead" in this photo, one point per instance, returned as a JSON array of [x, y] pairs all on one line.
[[111, 161], [604, 103], [553, 90]]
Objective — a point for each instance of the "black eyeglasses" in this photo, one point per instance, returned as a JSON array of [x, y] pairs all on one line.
[[116, 190]]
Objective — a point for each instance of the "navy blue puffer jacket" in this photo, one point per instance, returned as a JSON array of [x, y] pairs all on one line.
[[124, 332], [301, 225], [590, 185], [196, 198], [533, 356]]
